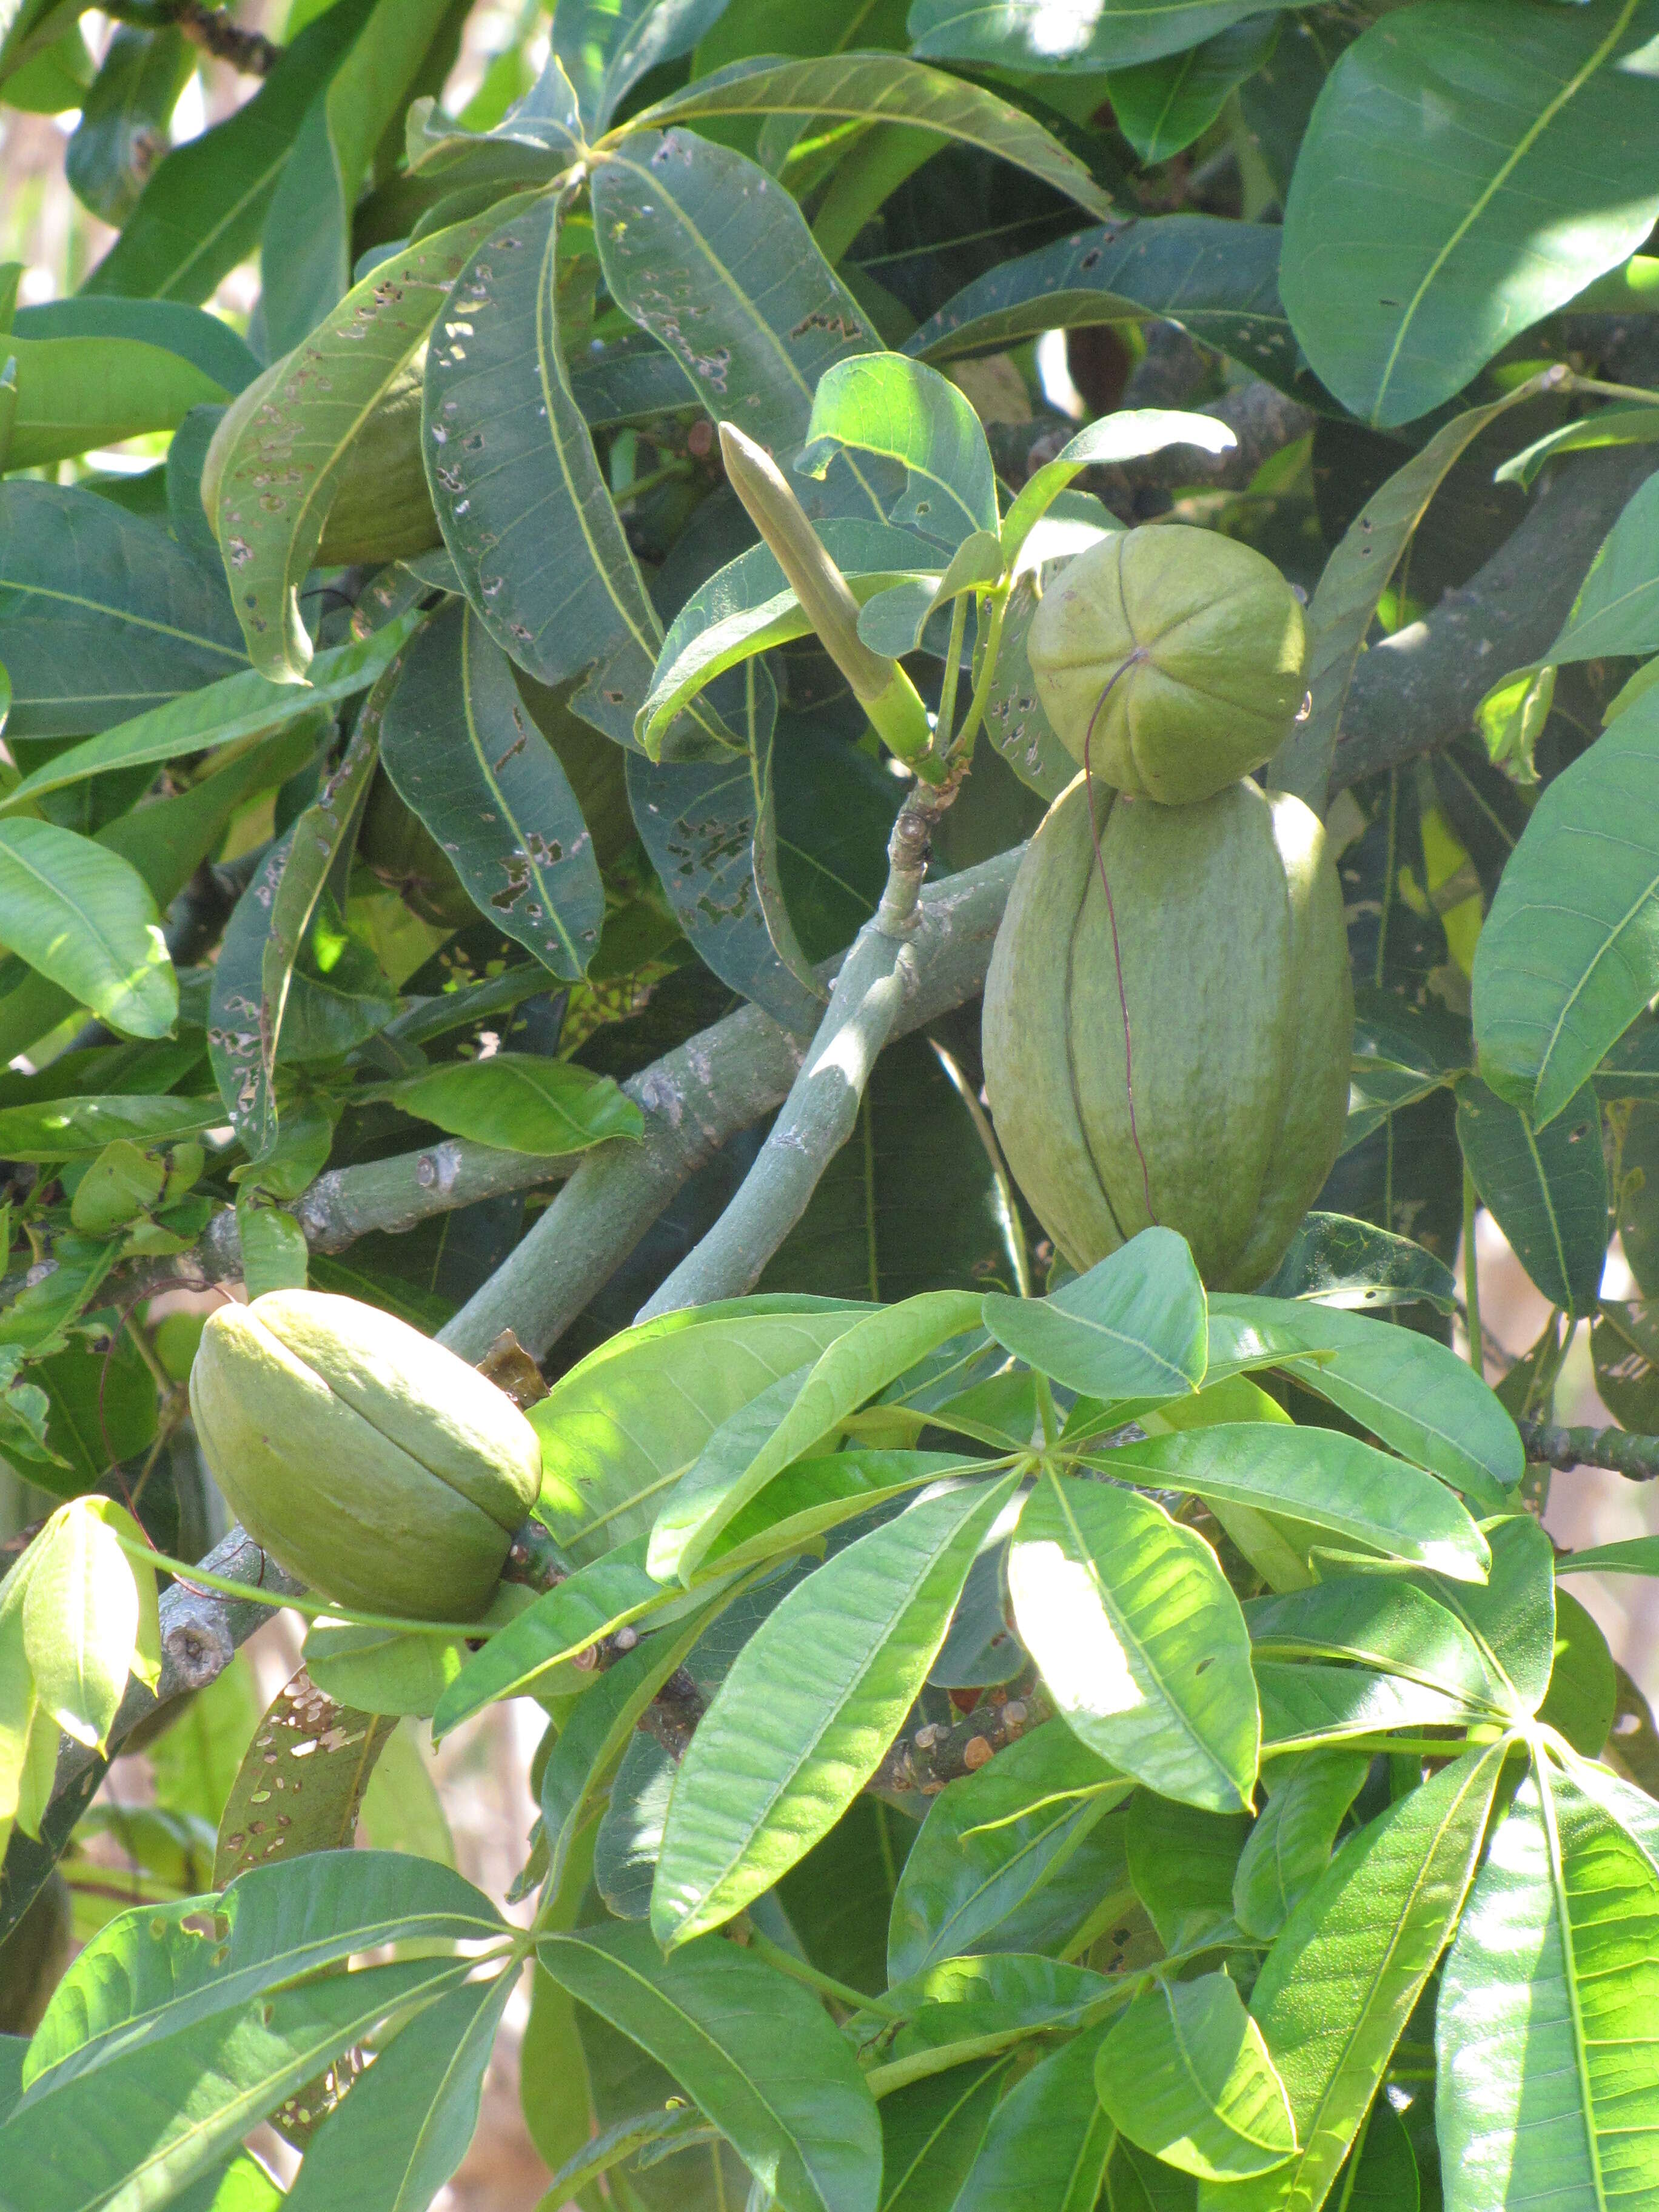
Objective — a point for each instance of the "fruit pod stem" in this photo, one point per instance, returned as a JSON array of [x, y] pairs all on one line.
[[879, 685]]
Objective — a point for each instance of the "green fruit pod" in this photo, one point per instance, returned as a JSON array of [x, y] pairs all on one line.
[[1240, 1024], [1182, 649], [376, 1466]]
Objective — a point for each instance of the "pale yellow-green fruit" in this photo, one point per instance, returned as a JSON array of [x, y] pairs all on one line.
[[1235, 974], [376, 1466], [1182, 649], [380, 508]]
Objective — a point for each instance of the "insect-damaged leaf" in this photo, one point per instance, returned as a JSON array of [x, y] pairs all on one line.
[[463, 752]]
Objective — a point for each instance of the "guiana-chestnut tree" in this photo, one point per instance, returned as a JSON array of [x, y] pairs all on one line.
[[514, 769]]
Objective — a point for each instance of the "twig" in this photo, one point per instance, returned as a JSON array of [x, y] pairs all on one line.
[[695, 1098], [1418, 689], [877, 977], [925, 1761], [1635, 1457], [248, 52]]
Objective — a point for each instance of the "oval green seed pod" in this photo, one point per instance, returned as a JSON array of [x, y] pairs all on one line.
[[375, 1465], [1185, 651], [1235, 974]]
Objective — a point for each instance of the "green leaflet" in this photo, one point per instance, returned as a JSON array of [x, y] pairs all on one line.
[[1139, 1640], [298, 439], [541, 550], [1559, 979], [1354, 579], [102, 617], [736, 1464], [782, 1753], [1538, 106], [1026, 34], [83, 917], [409, 2130], [461, 749], [1133, 1327], [991, 1837], [756, 2051], [1547, 1189], [1185, 2073], [694, 238], [886, 88], [1316, 1476], [1048, 2141], [622, 1427], [1218, 280], [210, 2083], [1340, 1981], [1545, 2022]]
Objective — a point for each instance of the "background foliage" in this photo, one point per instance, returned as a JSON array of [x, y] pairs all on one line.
[[421, 878]]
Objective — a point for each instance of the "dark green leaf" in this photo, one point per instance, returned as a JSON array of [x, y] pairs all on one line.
[[1583, 1691], [1027, 34], [715, 260], [1218, 280], [101, 615], [1546, 1188], [1570, 954], [756, 2051], [407, 2124], [202, 210], [1134, 1327], [463, 752], [607, 46], [1048, 2141], [1162, 106], [991, 1837], [1543, 106], [1290, 1846], [931, 2132]]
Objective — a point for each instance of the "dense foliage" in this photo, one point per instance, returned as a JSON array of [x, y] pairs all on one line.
[[1016, 1737]]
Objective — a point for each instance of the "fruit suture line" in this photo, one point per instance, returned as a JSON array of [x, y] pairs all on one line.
[[1122, 669]]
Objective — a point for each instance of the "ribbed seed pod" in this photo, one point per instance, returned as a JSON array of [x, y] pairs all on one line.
[[1240, 1021]]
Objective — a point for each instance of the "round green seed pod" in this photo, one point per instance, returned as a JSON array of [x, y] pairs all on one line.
[[372, 1463], [1201, 642], [1235, 976], [381, 508]]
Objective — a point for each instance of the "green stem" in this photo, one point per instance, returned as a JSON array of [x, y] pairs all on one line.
[[1471, 1276], [947, 697], [671, 472], [1594, 387], [962, 749], [200, 1578], [826, 1985]]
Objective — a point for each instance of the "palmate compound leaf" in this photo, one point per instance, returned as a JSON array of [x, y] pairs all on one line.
[[783, 1751], [1545, 2028], [1185, 2073], [755, 2050], [1138, 1639], [1339, 1982]]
